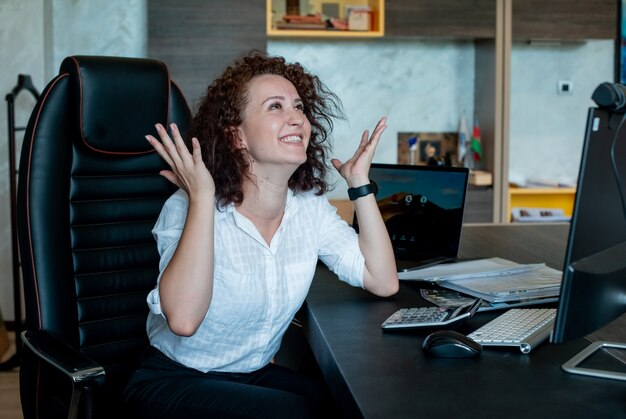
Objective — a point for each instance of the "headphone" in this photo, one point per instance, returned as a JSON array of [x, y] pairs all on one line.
[[611, 96]]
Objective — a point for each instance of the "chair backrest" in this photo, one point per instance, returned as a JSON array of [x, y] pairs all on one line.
[[89, 194]]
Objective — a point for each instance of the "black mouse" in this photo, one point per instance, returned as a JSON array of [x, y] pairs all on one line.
[[450, 344]]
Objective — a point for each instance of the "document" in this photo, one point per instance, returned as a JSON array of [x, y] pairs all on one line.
[[466, 269], [495, 280]]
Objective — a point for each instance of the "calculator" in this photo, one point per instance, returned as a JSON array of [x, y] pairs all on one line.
[[433, 316]]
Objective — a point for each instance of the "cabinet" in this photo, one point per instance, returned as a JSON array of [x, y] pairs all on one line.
[[564, 20], [435, 18], [276, 9]]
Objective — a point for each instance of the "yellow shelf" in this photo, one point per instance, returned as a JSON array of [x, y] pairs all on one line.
[[289, 33], [542, 198], [378, 24]]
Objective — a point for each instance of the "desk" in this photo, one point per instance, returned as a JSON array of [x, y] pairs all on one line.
[[385, 375]]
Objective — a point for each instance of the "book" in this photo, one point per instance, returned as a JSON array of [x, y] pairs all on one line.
[[301, 25], [539, 214], [302, 19], [302, 22], [548, 183]]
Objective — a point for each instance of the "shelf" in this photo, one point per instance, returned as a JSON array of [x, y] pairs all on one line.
[[541, 191], [378, 23], [562, 198], [289, 33]]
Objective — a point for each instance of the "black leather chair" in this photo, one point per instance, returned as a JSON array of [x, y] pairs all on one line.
[[89, 193]]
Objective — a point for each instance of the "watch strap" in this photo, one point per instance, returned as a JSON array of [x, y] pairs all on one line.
[[363, 190]]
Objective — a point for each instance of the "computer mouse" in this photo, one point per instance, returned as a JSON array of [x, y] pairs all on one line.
[[450, 344]]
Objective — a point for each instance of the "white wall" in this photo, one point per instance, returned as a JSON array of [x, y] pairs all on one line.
[[35, 36], [418, 85], [22, 52], [95, 27], [426, 85], [547, 129]]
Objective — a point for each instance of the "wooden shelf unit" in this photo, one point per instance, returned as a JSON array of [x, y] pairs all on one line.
[[541, 198], [493, 25], [378, 23]]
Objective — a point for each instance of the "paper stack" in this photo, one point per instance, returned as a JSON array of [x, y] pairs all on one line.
[[494, 280]]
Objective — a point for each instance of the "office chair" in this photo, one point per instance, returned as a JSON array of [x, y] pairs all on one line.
[[89, 193]]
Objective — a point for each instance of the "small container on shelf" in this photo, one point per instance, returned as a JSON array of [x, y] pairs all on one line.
[[359, 19], [480, 178]]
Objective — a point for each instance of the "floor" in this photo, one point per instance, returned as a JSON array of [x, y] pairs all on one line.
[[10, 407]]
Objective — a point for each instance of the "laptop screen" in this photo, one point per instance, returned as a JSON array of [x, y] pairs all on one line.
[[422, 207]]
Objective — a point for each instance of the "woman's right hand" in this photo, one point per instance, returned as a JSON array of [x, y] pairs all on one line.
[[188, 170], [186, 284]]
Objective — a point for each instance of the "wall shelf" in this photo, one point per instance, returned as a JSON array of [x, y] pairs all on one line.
[[562, 198], [377, 31]]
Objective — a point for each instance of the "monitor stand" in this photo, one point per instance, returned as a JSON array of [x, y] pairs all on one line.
[[572, 367]]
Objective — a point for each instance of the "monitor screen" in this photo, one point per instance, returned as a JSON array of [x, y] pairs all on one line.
[[593, 291]]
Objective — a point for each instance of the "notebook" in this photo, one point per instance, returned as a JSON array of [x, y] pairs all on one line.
[[422, 207]]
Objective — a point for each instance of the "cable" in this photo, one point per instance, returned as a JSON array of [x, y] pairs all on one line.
[[614, 163]]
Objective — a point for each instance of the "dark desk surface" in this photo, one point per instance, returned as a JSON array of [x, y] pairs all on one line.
[[386, 375]]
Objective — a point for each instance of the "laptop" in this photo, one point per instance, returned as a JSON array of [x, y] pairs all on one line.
[[422, 207]]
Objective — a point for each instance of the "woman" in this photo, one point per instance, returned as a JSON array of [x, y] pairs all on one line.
[[239, 242]]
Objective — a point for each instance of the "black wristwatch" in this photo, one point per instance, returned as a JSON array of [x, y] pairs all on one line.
[[364, 190]]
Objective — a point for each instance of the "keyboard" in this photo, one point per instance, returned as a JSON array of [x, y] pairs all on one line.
[[524, 328]]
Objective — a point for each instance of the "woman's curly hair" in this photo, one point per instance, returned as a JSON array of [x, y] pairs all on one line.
[[221, 108]]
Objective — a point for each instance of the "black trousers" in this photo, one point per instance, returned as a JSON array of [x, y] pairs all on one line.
[[163, 388]]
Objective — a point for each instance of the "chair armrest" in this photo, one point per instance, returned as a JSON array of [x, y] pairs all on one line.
[[55, 352]]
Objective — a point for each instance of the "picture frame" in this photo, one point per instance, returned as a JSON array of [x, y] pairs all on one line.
[[422, 148], [430, 148]]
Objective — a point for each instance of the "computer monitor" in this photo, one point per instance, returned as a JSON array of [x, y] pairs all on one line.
[[593, 291]]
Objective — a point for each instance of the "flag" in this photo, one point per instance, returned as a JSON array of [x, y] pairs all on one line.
[[463, 140], [412, 149], [477, 151]]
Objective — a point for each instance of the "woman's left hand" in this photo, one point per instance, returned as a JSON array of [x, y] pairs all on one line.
[[380, 274], [356, 170]]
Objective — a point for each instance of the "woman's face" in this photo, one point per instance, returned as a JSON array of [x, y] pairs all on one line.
[[274, 129]]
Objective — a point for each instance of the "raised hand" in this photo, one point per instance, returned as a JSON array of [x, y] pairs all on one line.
[[188, 170], [355, 171]]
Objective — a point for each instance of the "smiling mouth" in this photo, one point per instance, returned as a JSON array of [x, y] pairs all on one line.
[[291, 139]]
